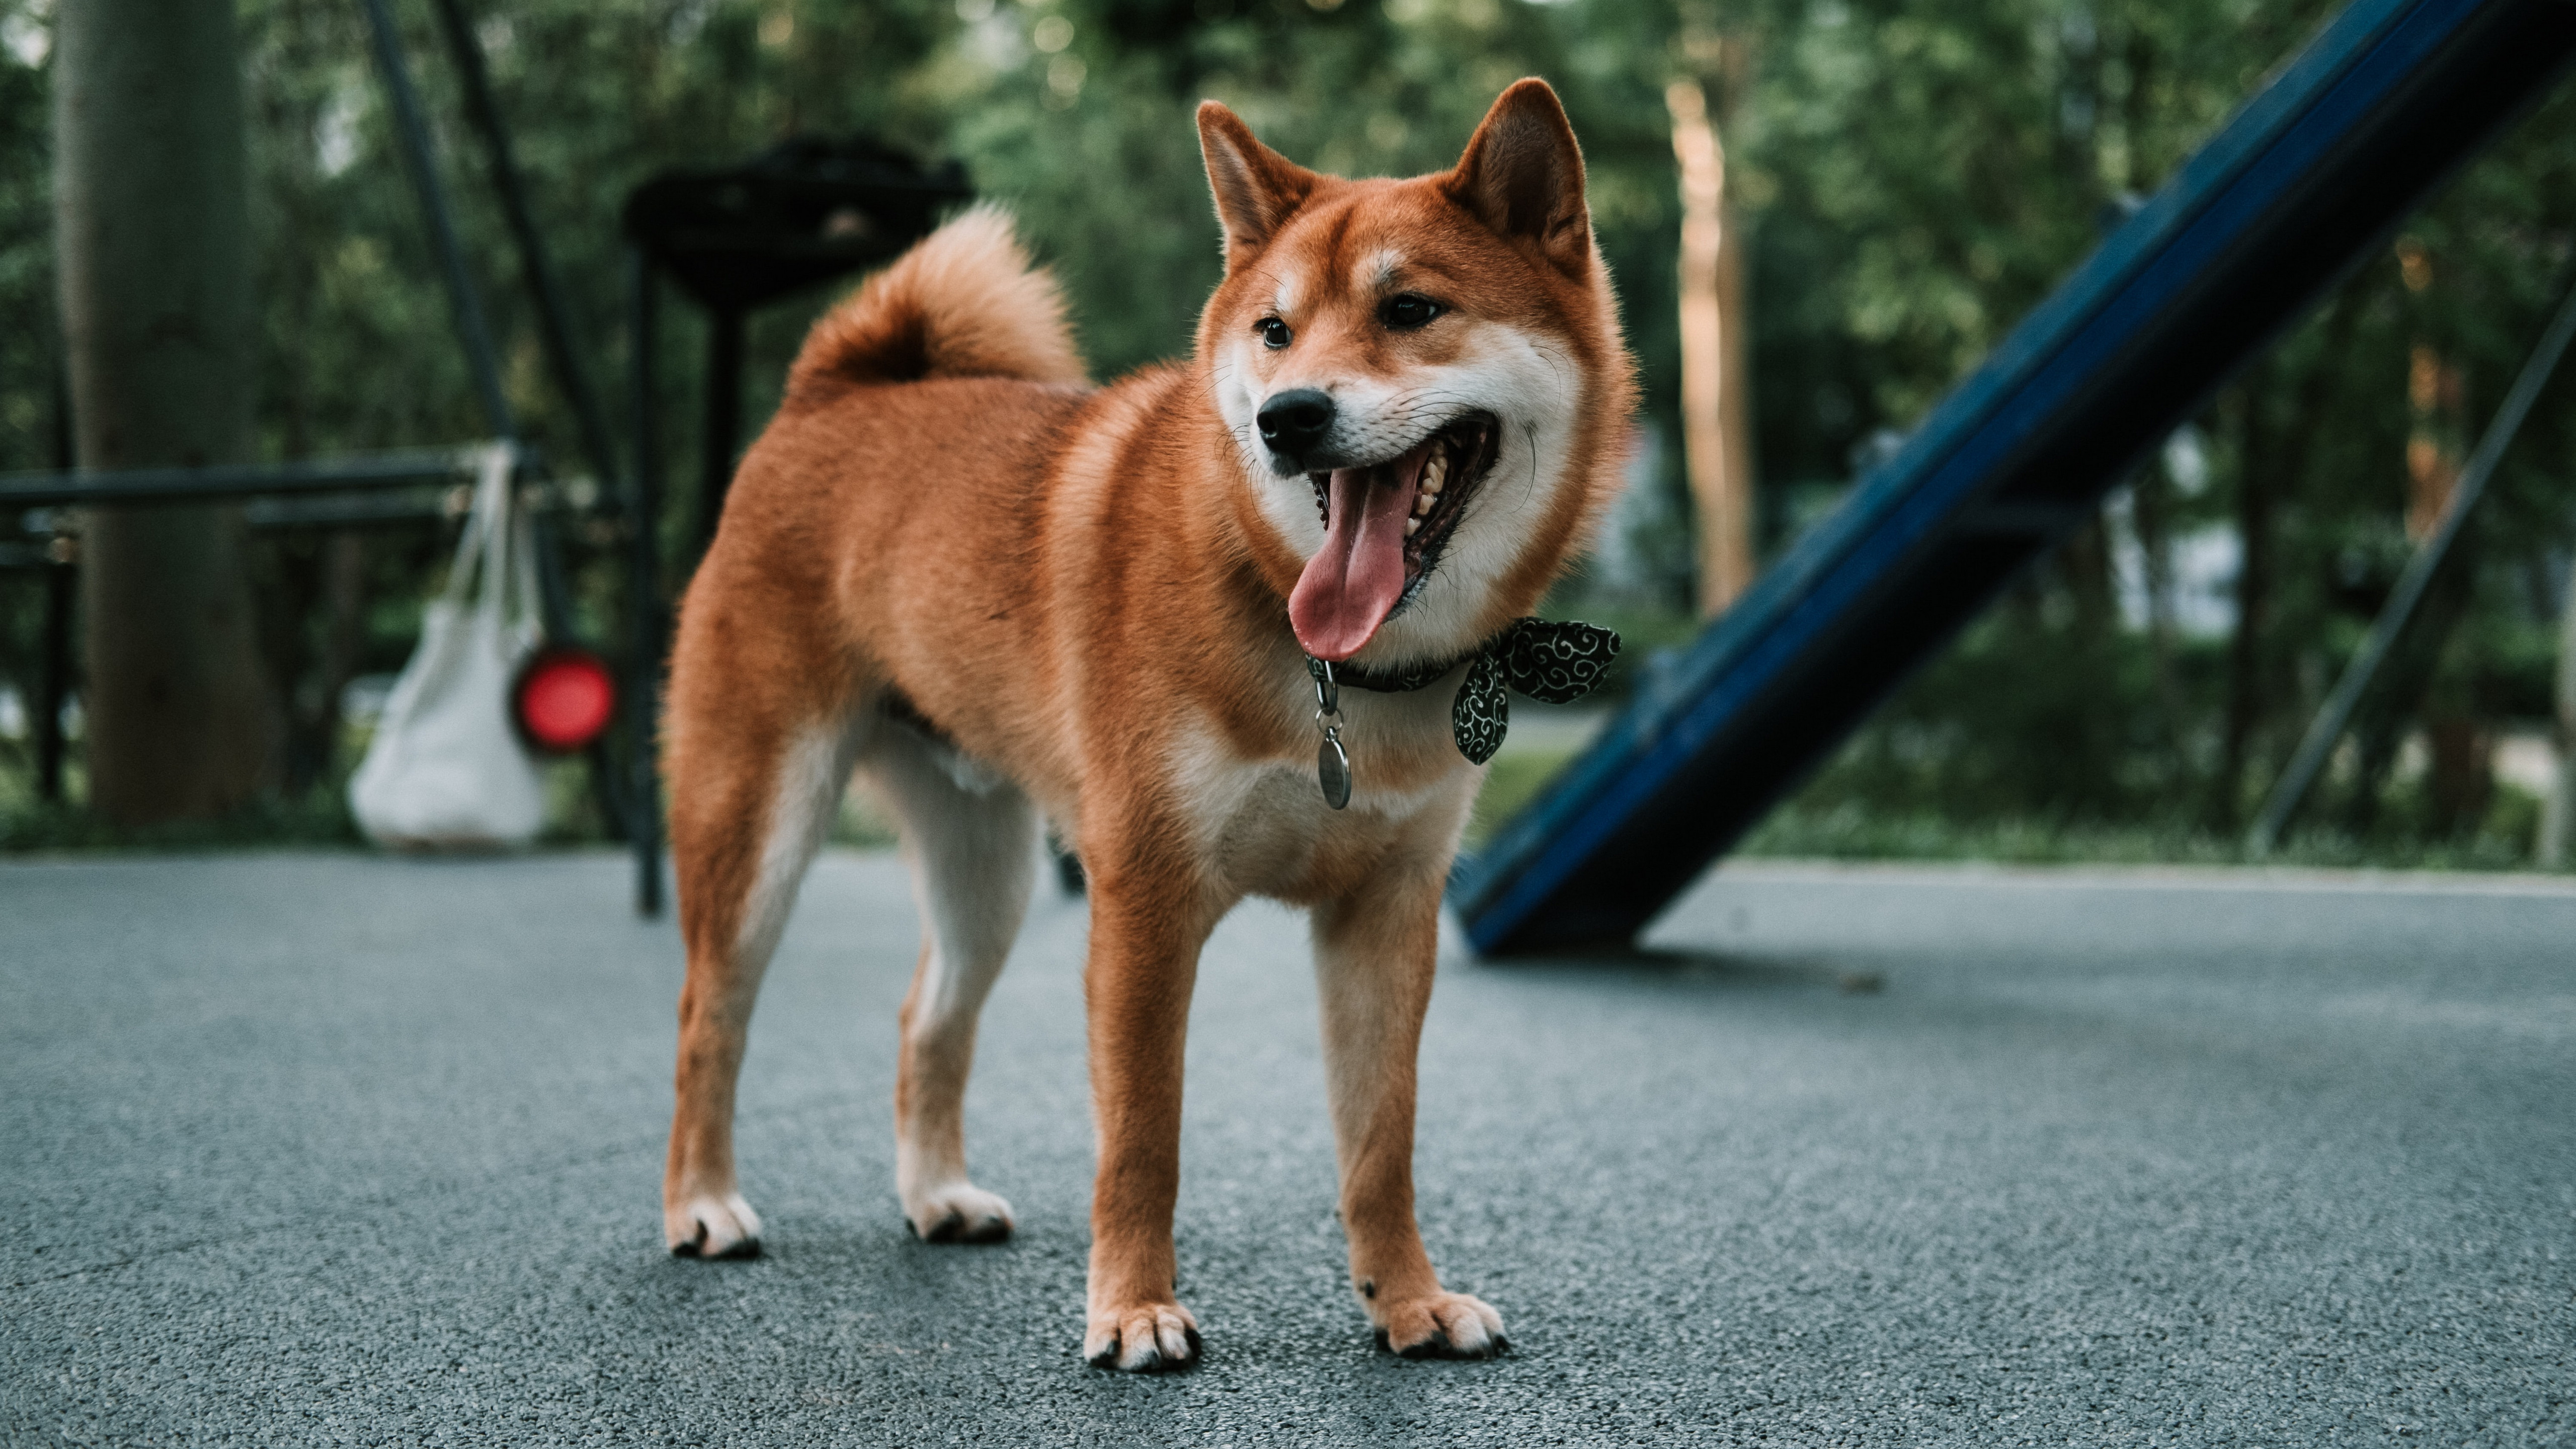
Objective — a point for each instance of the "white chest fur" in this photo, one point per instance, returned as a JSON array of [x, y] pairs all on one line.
[[1262, 822]]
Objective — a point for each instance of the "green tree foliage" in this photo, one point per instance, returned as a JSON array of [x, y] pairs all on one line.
[[1943, 166], [1911, 179]]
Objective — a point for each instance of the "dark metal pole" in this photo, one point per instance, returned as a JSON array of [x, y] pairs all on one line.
[[2329, 724], [62, 586], [724, 420], [61, 590], [461, 298], [644, 594], [553, 317], [554, 330]]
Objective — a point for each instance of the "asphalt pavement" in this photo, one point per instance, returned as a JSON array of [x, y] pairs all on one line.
[[323, 1149]]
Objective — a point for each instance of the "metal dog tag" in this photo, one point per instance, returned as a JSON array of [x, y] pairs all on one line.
[[1332, 765], [1333, 770]]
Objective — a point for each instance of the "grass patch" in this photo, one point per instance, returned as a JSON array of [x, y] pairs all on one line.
[[315, 818], [1853, 830], [864, 822], [1512, 781], [1828, 821], [1849, 831], [319, 818]]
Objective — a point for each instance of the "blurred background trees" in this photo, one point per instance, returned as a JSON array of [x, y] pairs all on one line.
[[1907, 180]]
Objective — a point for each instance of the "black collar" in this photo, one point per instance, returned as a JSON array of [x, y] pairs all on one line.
[[1387, 681], [1554, 662]]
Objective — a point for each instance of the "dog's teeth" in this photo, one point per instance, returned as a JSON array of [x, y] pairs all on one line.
[[1412, 526], [1423, 503], [1436, 471]]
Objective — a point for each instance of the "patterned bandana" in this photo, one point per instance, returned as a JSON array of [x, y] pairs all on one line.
[[1551, 662]]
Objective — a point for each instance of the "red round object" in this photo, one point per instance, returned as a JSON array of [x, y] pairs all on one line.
[[565, 699]]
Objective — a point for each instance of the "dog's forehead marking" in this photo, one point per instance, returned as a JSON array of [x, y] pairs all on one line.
[[1379, 267], [1284, 300]]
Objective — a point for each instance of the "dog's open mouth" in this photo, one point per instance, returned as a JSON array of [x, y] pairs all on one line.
[[1384, 528]]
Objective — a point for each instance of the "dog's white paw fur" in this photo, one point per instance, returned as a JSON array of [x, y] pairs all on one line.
[[712, 1225], [1441, 1325], [1141, 1338], [959, 1212]]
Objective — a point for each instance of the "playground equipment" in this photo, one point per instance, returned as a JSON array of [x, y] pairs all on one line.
[[735, 239], [402, 486], [2336, 713], [2302, 184]]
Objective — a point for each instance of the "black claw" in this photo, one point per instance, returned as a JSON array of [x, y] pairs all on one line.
[[1107, 1358], [1155, 1362], [954, 1229], [1440, 1345], [697, 1247]]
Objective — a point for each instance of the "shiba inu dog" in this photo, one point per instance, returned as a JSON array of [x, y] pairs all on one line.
[[951, 565]]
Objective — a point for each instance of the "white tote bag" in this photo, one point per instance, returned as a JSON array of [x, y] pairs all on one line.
[[446, 769]]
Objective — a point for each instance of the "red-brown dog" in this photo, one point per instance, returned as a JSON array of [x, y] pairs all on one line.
[[952, 565]]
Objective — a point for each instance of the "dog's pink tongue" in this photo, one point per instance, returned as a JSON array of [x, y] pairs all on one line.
[[1353, 581]]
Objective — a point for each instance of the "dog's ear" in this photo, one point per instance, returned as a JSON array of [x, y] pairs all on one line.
[[1522, 175], [1256, 188]]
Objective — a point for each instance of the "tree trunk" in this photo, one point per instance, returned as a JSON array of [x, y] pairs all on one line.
[[2150, 515], [152, 240], [2404, 692], [1717, 398], [2255, 491], [2270, 462], [1735, 397], [2558, 812]]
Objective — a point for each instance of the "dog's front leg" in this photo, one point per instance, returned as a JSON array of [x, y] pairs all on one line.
[[1375, 954], [1146, 930]]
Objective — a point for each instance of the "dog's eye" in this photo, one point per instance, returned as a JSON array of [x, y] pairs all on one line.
[[1407, 310], [1274, 332]]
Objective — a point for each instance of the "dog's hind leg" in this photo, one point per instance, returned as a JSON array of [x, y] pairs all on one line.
[[750, 804], [973, 843]]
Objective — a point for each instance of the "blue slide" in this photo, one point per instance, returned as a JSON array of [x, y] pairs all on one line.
[[2304, 183]]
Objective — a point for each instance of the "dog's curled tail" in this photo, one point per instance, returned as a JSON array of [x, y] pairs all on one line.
[[964, 302]]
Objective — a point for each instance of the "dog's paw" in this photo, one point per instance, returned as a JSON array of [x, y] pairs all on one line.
[[1442, 1325], [1142, 1338], [959, 1213], [712, 1226]]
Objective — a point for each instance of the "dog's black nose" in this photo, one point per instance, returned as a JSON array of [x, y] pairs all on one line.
[[1294, 422]]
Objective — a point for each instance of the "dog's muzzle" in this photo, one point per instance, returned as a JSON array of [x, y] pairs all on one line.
[[1294, 425]]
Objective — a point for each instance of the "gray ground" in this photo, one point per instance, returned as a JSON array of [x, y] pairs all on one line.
[[315, 1149]]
